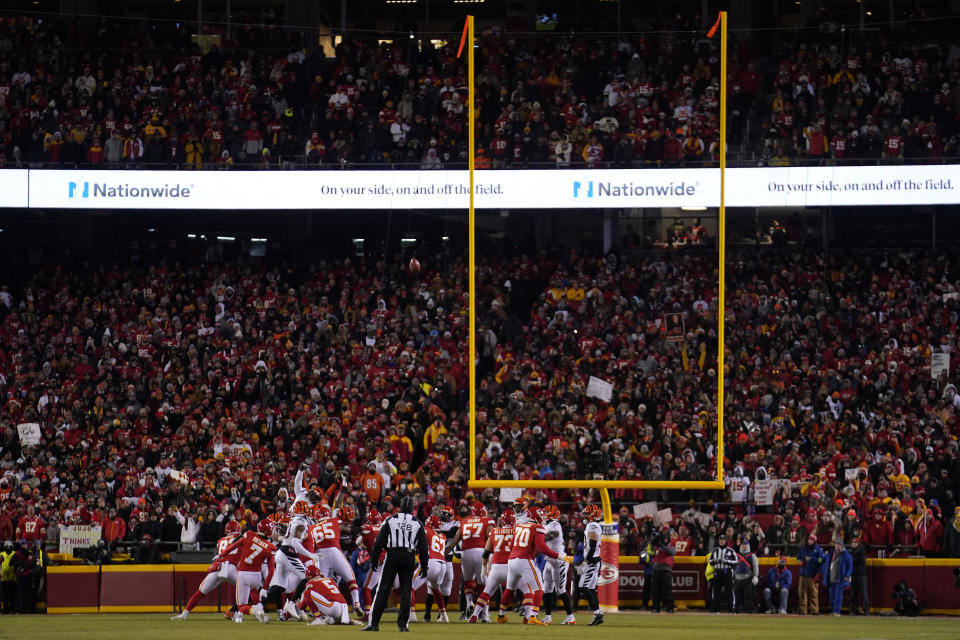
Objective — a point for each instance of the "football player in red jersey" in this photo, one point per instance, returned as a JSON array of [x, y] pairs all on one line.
[[323, 538], [222, 570], [436, 568], [496, 554], [368, 535], [528, 541], [472, 536], [323, 599], [252, 552], [449, 527]]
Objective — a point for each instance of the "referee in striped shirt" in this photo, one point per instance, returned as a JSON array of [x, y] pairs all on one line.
[[403, 537]]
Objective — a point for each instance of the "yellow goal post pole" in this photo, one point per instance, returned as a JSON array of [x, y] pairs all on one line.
[[605, 503], [472, 256], [722, 242]]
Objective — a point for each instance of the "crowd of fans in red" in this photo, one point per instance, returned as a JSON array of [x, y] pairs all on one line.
[[172, 395], [127, 93]]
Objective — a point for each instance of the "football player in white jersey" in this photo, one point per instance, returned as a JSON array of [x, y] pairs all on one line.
[[555, 569], [290, 576], [591, 558]]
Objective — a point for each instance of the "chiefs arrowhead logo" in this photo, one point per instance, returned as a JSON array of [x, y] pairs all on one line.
[[608, 574]]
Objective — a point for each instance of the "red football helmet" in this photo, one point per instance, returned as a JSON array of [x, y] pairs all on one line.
[[434, 522], [374, 517], [321, 511], [479, 510], [265, 527], [313, 572], [232, 527], [507, 518], [535, 514]]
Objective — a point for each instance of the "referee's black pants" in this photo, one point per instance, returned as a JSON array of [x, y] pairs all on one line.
[[398, 564]]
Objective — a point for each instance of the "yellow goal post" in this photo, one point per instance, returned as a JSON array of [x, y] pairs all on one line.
[[603, 485]]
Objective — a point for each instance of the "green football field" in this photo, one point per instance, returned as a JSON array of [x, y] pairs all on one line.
[[617, 627]]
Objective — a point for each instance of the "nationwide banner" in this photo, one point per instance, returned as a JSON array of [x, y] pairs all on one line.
[[335, 189], [14, 188]]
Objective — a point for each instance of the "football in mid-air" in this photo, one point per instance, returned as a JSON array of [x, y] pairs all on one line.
[[414, 266]]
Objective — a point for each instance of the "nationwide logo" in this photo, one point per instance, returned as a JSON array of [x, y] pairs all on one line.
[[588, 189], [87, 190]]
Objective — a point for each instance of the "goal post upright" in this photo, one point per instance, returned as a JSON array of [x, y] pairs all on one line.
[[472, 256], [722, 245]]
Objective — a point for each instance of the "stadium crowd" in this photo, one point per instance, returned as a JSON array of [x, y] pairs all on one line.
[[132, 94], [172, 395]]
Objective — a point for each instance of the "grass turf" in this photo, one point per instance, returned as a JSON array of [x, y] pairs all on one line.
[[616, 627]]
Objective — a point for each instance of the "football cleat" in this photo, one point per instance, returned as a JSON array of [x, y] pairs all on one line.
[[290, 608], [442, 617], [413, 617], [228, 615], [181, 616], [501, 619], [473, 619], [597, 619], [260, 614], [318, 620], [238, 617], [534, 620], [547, 620], [570, 620]]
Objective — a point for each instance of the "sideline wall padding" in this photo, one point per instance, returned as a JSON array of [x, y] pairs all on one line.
[[163, 588]]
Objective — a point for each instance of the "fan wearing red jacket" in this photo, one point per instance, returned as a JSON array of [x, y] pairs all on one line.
[[323, 599], [472, 536], [222, 570], [252, 551], [878, 532], [499, 546], [323, 538], [528, 541]]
